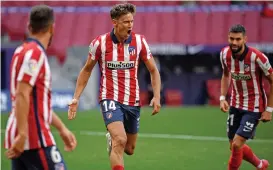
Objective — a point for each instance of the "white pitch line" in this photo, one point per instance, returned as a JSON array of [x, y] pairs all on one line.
[[182, 137], [170, 136]]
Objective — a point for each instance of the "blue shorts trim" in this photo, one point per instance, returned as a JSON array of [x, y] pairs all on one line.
[[114, 111]]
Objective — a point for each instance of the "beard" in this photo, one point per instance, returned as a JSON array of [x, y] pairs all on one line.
[[50, 40], [235, 51]]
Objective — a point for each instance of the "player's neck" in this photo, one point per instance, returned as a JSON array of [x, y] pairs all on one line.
[[121, 40], [41, 38]]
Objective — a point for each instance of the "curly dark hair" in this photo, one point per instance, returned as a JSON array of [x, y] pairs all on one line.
[[122, 9], [238, 28]]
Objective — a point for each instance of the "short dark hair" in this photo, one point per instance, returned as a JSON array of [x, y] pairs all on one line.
[[238, 28], [40, 18], [122, 9]]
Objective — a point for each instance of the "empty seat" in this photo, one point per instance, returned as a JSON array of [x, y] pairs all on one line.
[[235, 17], [167, 30], [151, 22], [266, 30], [174, 97], [217, 29], [250, 19], [183, 28], [201, 24]]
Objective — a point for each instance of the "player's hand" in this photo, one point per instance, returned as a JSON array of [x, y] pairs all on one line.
[[69, 140], [72, 109], [155, 102], [224, 106], [266, 116], [17, 148]]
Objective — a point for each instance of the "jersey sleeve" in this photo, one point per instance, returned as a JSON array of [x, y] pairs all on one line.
[[94, 49], [145, 52], [264, 64], [221, 60], [33, 61]]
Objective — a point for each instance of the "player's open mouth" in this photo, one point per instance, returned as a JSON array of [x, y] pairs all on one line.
[[129, 31]]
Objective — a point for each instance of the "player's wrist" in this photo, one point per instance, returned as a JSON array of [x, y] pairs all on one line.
[[269, 109], [222, 98]]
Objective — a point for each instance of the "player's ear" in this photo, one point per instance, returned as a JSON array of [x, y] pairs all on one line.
[[114, 22], [29, 27], [245, 38]]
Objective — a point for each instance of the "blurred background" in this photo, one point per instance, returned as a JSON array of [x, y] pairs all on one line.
[[185, 38]]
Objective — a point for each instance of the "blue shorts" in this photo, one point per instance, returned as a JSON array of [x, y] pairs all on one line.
[[242, 123], [113, 111], [39, 159]]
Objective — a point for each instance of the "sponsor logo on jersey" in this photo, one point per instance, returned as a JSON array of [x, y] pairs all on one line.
[[116, 65], [241, 76]]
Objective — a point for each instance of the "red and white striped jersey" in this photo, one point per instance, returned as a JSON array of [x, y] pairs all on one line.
[[247, 74], [29, 64], [118, 64]]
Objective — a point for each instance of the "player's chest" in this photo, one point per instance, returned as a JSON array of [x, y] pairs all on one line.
[[241, 69], [120, 56]]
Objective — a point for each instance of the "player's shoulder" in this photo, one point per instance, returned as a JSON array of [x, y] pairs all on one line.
[[100, 37], [30, 48], [225, 50], [256, 51], [141, 36]]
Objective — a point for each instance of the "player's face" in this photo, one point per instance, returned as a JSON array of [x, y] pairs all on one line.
[[236, 41], [124, 25]]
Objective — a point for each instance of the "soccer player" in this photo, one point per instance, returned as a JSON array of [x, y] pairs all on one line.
[[28, 137], [246, 66], [118, 54]]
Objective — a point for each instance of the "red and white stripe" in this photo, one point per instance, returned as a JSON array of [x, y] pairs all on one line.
[[247, 94], [40, 78], [119, 85]]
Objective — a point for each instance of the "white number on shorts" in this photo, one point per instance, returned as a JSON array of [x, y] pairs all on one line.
[[112, 105], [231, 119], [55, 155]]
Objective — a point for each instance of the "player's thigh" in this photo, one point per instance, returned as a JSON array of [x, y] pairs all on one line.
[[111, 111], [131, 120], [54, 158], [233, 122], [248, 124], [117, 132], [131, 140]]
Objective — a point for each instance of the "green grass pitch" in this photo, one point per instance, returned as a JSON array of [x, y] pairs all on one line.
[[183, 138]]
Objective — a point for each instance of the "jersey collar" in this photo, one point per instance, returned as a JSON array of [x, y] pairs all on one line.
[[115, 39], [35, 40], [243, 55]]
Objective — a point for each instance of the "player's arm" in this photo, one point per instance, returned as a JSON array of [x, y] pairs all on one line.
[[224, 85], [26, 79], [146, 56], [265, 66], [83, 77], [85, 73]]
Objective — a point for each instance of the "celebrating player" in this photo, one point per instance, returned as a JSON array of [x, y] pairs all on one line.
[[118, 54], [28, 139], [248, 104]]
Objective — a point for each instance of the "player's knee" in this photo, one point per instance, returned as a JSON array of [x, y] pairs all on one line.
[[129, 150], [119, 141], [237, 144]]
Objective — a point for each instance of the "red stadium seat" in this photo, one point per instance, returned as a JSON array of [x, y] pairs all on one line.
[[217, 29], [151, 22], [167, 19], [144, 98], [201, 25], [18, 27], [252, 18], [174, 97], [139, 24], [266, 30], [82, 29], [183, 27], [235, 17]]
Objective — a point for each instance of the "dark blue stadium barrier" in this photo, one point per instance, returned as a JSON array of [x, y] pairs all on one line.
[[60, 100]]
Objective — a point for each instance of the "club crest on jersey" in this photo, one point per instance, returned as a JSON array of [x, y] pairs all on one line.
[[118, 65], [109, 115], [246, 67], [132, 50]]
